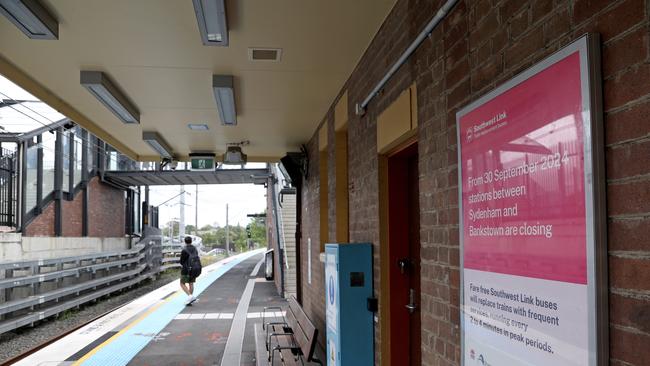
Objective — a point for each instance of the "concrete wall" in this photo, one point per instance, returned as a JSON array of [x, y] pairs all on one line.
[[10, 246], [478, 46], [14, 247]]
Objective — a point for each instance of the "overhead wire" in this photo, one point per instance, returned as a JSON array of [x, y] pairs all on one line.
[[12, 106], [97, 147]]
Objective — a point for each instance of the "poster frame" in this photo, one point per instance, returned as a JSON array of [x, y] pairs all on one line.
[[588, 47]]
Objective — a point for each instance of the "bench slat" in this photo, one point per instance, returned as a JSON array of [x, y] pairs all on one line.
[[306, 333], [303, 339]]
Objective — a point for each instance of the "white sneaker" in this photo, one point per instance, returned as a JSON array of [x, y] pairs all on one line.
[[189, 300]]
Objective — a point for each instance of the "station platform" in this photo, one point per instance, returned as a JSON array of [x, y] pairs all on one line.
[[159, 329]]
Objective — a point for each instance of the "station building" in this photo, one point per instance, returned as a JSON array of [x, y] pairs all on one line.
[[407, 139]]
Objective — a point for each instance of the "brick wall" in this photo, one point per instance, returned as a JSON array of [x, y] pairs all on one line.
[[72, 219], [313, 294], [106, 208], [478, 46], [43, 224]]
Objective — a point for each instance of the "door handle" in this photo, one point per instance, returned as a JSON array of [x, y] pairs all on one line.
[[411, 306], [405, 264]]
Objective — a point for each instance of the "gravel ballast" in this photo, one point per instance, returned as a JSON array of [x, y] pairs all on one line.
[[22, 340]]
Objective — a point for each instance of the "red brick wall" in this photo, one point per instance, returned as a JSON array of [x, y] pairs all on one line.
[[43, 224], [72, 219], [105, 214], [106, 206], [477, 47], [313, 294]]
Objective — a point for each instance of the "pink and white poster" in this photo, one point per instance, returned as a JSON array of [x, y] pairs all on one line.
[[525, 221]]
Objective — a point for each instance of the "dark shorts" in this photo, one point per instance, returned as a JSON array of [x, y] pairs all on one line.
[[187, 279]]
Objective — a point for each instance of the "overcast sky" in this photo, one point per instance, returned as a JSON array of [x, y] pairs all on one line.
[[242, 199]]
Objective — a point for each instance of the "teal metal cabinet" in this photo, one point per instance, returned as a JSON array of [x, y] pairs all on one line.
[[348, 285]]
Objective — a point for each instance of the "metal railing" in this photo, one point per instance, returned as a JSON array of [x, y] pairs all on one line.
[[8, 188], [170, 258], [38, 289]]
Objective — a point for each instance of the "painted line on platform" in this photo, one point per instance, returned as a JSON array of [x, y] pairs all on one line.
[[257, 268], [124, 330], [235, 342], [227, 316], [260, 356], [73, 343], [124, 346]]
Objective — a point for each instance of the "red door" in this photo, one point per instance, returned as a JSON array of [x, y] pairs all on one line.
[[404, 256]]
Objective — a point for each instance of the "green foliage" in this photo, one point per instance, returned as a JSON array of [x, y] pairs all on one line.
[[215, 237], [174, 225]]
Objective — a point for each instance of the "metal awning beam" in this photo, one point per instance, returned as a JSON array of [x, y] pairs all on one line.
[[178, 177], [19, 137]]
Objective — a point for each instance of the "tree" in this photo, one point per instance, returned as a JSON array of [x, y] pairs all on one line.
[[209, 238], [174, 224], [258, 232]]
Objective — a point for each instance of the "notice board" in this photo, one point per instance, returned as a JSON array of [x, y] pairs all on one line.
[[532, 218]]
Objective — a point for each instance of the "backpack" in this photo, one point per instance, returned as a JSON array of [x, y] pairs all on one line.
[[194, 263]]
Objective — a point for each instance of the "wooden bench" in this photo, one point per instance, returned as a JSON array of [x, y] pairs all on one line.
[[294, 338]]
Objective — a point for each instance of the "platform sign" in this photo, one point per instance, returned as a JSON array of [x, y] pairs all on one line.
[[531, 217]]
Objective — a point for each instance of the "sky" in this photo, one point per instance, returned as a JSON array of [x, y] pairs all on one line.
[[26, 116], [242, 199]]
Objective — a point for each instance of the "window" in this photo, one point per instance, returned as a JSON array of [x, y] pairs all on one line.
[[65, 187], [31, 173], [49, 141], [78, 148]]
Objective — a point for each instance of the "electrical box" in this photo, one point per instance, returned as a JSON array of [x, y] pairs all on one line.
[[348, 285]]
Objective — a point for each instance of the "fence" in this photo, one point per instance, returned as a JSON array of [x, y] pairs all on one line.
[[37, 289], [8, 188]]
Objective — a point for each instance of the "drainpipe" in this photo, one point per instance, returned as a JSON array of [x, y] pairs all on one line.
[[440, 15]]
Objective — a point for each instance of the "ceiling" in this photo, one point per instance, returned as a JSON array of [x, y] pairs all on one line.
[[152, 49]]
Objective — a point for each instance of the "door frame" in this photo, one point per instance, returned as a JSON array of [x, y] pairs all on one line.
[[384, 253]]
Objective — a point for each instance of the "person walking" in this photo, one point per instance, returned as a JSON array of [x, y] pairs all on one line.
[[191, 269]]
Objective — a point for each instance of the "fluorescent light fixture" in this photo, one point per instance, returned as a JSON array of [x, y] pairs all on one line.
[[158, 144], [31, 17], [198, 126], [211, 17], [234, 156], [99, 85], [224, 94]]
